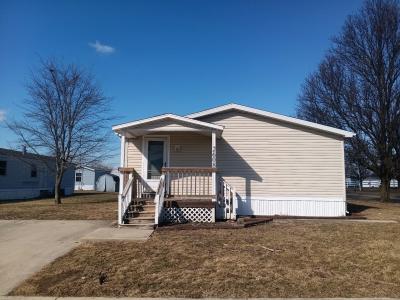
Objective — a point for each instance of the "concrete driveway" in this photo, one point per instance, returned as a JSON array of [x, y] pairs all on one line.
[[27, 245]]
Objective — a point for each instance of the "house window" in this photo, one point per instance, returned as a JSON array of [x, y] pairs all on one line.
[[33, 171], [78, 177], [3, 167]]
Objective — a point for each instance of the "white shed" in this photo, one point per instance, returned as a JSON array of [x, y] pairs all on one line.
[[107, 183]]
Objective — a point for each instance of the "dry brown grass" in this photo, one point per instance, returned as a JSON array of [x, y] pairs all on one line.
[[312, 259], [80, 206]]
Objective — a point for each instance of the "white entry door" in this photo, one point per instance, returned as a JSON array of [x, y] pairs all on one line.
[[155, 157]]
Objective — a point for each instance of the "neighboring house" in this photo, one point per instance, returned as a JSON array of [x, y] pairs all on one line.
[[370, 182], [375, 182], [228, 161], [86, 177], [25, 175]]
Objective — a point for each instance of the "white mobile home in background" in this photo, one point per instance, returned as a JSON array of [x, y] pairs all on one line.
[[370, 182], [86, 177]]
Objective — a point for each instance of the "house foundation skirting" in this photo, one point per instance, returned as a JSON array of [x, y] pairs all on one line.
[[188, 214], [29, 193], [293, 206]]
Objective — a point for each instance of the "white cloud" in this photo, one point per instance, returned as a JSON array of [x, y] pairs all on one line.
[[100, 48], [2, 115]]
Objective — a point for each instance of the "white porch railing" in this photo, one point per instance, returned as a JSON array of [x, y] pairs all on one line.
[[189, 181], [159, 200], [227, 200], [125, 200]]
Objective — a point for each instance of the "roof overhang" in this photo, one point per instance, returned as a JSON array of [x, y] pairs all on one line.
[[166, 123], [259, 112]]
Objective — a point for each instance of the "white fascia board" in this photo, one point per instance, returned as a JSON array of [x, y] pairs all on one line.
[[167, 116], [272, 116], [84, 167]]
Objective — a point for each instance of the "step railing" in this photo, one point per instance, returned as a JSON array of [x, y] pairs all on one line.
[[189, 181], [124, 200], [227, 200], [133, 187], [159, 200]]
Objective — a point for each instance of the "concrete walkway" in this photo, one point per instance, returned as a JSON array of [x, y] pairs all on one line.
[[28, 245], [118, 234]]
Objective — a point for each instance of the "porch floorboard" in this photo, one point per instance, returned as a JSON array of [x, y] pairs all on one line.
[[190, 201]]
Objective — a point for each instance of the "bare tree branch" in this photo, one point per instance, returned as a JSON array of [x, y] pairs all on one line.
[[357, 87]]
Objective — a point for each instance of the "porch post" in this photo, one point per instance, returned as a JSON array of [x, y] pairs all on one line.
[[214, 163], [121, 180]]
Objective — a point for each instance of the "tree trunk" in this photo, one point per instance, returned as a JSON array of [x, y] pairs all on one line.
[[385, 190], [57, 190]]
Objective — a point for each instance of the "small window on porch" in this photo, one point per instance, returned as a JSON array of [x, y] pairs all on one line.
[[155, 159]]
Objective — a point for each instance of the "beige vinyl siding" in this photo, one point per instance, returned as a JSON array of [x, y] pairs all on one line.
[[134, 154], [261, 157], [195, 150]]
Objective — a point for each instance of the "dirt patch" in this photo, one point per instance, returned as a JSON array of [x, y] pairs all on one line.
[[80, 206], [294, 259]]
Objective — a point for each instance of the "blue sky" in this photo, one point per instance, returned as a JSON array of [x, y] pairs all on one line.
[[162, 56]]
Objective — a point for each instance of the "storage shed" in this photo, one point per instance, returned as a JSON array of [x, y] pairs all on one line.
[[107, 183]]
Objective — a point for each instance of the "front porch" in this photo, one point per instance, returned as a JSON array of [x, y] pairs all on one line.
[[169, 172], [183, 195]]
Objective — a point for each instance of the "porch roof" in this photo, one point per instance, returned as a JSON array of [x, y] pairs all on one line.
[[166, 123]]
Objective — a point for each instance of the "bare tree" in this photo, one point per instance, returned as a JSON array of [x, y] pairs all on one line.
[[66, 115], [356, 166], [357, 86]]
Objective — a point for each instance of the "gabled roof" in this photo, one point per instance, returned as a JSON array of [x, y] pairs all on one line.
[[259, 112], [93, 168], [119, 128], [26, 155]]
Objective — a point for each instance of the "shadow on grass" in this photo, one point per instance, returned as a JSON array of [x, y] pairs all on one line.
[[358, 208]]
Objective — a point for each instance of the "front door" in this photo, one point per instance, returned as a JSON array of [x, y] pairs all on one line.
[[155, 158]]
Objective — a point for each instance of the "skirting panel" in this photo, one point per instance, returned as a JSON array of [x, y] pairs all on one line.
[[188, 214], [84, 187], [29, 193], [303, 207]]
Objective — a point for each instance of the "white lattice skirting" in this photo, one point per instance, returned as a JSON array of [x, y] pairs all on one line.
[[188, 214]]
